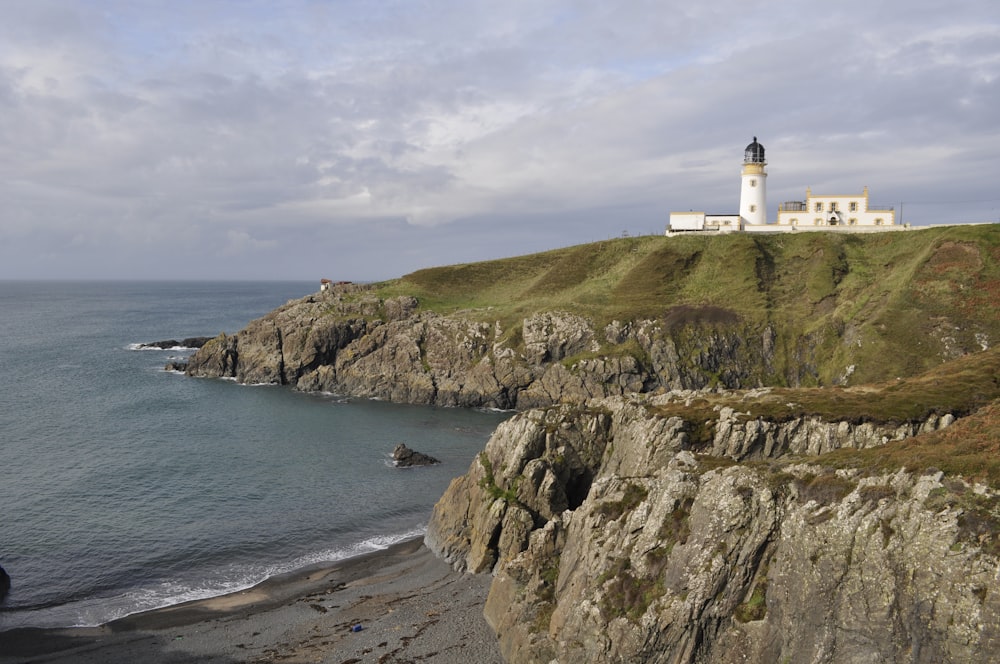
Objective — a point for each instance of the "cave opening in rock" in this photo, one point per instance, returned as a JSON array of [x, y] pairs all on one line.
[[577, 489]]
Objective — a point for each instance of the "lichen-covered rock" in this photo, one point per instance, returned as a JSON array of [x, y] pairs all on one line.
[[610, 541], [541, 463], [552, 336], [742, 438]]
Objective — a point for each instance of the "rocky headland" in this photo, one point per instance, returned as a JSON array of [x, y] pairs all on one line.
[[615, 535], [729, 448], [173, 344]]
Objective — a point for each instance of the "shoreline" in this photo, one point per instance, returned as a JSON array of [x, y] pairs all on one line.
[[410, 605]]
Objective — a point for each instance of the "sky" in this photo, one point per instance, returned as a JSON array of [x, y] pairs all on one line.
[[362, 140]]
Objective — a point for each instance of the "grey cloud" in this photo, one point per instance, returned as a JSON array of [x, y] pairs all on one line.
[[407, 134]]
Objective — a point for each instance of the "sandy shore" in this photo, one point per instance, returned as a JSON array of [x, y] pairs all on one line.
[[410, 607]]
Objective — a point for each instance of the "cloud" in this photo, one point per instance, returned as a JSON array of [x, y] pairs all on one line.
[[487, 129], [240, 242]]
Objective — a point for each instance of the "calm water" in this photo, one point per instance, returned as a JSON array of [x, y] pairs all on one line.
[[124, 487]]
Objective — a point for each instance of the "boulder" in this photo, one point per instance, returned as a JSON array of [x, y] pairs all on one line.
[[404, 457]]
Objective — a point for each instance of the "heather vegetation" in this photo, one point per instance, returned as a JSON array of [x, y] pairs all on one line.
[[970, 448], [958, 387]]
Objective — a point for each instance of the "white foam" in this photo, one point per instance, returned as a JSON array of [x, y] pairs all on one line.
[[370, 545], [334, 397], [229, 580], [143, 346]]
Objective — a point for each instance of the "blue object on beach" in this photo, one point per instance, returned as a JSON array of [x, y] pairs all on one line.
[[357, 628]]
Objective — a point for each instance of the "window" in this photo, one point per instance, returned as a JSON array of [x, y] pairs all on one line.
[[753, 182], [817, 222], [795, 221], [819, 207], [878, 222], [853, 221], [753, 208], [833, 206], [854, 206]]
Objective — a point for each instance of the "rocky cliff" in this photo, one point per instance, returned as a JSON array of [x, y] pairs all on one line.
[[642, 315], [610, 540], [732, 449], [350, 341]]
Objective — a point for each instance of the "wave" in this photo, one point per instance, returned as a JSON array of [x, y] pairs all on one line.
[[228, 580], [333, 397], [145, 346]]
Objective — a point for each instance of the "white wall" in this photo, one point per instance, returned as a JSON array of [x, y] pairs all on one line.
[[687, 221], [753, 194]]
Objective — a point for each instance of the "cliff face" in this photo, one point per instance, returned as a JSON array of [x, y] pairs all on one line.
[[611, 541], [633, 315], [351, 342], [638, 511]]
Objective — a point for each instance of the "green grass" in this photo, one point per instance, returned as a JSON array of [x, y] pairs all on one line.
[[641, 276], [886, 303], [887, 306]]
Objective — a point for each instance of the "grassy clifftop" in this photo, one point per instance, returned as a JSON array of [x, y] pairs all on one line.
[[892, 304]]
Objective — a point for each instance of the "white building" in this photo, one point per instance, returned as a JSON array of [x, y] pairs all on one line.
[[850, 210], [850, 213], [699, 221]]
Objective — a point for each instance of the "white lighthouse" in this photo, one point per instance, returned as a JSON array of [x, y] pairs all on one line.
[[840, 213], [753, 190]]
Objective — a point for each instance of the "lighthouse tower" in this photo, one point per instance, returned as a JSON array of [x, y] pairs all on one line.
[[753, 190]]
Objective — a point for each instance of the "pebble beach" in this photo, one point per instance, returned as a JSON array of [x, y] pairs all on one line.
[[401, 604]]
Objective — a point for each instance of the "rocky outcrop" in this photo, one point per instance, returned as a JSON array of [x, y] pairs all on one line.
[[348, 341], [741, 438], [173, 344], [610, 540], [404, 457]]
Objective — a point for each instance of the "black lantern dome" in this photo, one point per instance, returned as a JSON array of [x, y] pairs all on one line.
[[754, 154]]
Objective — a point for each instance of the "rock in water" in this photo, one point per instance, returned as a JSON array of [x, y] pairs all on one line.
[[4, 583], [168, 344], [405, 457]]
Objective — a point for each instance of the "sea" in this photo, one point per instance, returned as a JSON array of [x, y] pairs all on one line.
[[125, 487]]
